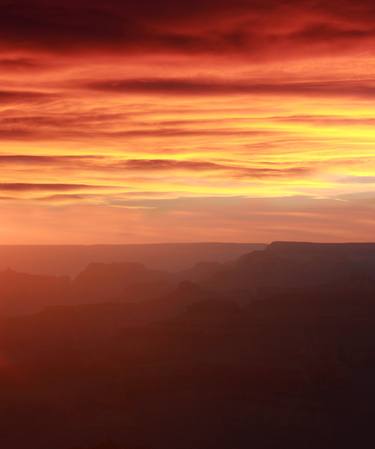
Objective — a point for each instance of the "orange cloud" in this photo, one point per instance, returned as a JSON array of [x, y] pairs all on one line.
[[182, 121]]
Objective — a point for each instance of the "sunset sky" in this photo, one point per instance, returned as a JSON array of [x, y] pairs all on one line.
[[210, 120]]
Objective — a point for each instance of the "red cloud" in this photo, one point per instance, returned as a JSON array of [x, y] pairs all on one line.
[[252, 29]]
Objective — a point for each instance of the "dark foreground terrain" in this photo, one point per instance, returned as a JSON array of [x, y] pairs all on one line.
[[273, 350]]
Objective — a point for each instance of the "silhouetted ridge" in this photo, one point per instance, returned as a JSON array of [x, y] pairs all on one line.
[[290, 264], [300, 248], [72, 259], [201, 271], [119, 281]]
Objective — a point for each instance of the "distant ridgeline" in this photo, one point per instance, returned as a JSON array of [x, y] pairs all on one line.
[[72, 259], [256, 275]]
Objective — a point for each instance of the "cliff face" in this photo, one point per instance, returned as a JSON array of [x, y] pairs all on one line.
[[24, 293], [116, 281], [296, 265]]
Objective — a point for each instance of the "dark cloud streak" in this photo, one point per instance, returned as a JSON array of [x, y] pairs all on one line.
[[204, 26], [31, 187], [199, 87], [110, 165]]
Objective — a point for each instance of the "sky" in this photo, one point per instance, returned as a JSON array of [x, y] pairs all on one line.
[[179, 121]]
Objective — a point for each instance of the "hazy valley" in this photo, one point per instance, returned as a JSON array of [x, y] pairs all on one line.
[[277, 342]]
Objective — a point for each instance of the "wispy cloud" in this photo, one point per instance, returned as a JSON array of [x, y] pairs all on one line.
[[253, 119]]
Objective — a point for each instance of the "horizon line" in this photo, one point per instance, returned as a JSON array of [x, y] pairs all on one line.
[[188, 243]]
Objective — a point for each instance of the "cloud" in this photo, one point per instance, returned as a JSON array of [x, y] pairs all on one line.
[[17, 134], [30, 160], [358, 179], [20, 64], [108, 165], [206, 87], [252, 29], [208, 98], [65, 198], [36, 187], [101, 134], [227, 170], [169, 164], [21, 97], [326, 120], [287, 172]]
